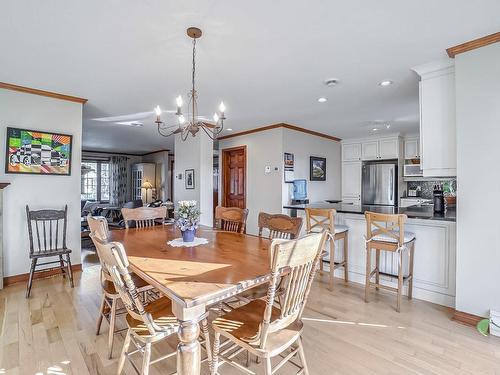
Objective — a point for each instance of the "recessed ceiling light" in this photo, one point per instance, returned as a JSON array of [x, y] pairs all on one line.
[[322, 99], [385, 83], [331, 82], [229, 129], [374, 129]]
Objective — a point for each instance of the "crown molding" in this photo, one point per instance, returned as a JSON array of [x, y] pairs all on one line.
[[473, 44], [29, 90]]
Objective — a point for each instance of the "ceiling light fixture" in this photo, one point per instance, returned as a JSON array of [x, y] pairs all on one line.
[[385, 83], [322, 99], [387, 126], [374, 129], [229, 129], [331, 82], [191, 123]]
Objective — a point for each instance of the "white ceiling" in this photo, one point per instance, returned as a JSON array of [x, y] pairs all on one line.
[[266, 59]]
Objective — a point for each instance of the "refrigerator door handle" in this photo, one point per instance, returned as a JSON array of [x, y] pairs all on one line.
[[392, 187]]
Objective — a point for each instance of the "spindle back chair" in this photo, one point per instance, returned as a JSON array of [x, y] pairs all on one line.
[[47, 237], [231, 219], [143, 217], [279, 226]]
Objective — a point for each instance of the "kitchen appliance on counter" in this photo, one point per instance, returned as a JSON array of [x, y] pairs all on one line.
[[412, 170], [438, 198], [379, 183], [414, 192]]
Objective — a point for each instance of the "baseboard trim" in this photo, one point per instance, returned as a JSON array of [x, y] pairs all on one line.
[[466, 318], [9, 280]]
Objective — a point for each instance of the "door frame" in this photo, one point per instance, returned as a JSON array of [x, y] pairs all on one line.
[[223, 164]]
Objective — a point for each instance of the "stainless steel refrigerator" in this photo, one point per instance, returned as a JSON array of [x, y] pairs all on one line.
[[380, 183]]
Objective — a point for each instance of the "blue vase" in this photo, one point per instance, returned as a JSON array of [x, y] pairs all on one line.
[[188, 235]]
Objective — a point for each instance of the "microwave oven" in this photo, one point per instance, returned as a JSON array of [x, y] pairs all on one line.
[[412, 170]]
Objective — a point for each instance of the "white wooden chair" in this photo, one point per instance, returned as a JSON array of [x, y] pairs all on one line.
[[143, 217]]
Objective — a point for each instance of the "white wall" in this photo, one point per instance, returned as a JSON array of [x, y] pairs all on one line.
[[195, 153], [160, 158], [263, 190], [37, 112], [303, 146], [478, 178]]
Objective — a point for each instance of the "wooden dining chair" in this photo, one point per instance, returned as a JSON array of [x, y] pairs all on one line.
[[148, 324], [386, 232], [279, 226], [320, 219], [231, 219], [109, 310], [47, 237], [260, 327], [143, 217]]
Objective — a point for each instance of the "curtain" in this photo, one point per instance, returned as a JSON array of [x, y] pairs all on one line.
[[118, 180]]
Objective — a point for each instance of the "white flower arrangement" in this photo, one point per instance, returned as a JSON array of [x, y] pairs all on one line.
[[187, 215]]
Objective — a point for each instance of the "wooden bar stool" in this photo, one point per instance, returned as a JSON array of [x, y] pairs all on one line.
[[319, 219], [386, 232]]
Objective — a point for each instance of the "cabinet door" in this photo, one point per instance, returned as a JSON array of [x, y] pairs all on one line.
[[351, 180], [369, 150], [388, 148], [411, 148], [353, 201], [351, 152]]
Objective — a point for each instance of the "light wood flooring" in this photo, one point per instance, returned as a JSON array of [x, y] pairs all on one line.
[[54, 333]]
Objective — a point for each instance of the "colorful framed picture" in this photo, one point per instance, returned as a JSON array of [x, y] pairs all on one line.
[[289, 167], [317, 169], [38, 152], [189, 179]]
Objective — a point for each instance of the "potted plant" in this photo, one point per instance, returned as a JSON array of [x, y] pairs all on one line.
[[187, 218]]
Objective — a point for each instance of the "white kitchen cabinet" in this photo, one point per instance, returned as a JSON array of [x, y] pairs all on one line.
[[351, 151], [437, 118], [351, 180], [380, 149], [369, 150], [353, 201], [412, 148], [388, 148]]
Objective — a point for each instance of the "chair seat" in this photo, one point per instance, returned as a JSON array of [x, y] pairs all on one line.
[[139, 283], [383, 237], [50, 253], [161, 312], [341, 228], [243, 324]]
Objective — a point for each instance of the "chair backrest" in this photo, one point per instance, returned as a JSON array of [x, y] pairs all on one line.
[[143, 216], [47, 230], [388, 225], [231, 219], [279, 225], [294, 264], [98, 226], [114, 258], [319, 219]]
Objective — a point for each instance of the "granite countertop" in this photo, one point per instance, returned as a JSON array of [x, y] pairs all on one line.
[[414, 212]]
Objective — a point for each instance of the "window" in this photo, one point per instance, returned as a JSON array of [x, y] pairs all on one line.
[[95, 181]]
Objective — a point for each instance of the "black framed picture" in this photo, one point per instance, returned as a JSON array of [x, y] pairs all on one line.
[[317, 169], [38, 152], [189, 178]]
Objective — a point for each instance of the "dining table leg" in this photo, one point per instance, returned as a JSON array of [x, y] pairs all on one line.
[[188, 349]]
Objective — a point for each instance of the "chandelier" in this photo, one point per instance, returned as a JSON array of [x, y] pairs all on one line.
[[192, 124]]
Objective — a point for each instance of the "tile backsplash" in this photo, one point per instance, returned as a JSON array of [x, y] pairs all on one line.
[[428, 186]]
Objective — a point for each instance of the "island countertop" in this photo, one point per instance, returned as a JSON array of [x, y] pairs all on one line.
[[414, 212]]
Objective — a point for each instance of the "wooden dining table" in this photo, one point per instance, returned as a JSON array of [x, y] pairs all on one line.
[[195, 277]]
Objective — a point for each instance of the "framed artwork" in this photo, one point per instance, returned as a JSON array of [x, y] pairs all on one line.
[[317, 169], [38, 152], [189, 179], [289, 167]]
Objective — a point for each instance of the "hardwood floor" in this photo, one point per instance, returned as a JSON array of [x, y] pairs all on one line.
[[54, 333]]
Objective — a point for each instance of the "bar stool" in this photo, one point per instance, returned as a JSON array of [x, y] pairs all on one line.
[[319, 219], [386, 232]]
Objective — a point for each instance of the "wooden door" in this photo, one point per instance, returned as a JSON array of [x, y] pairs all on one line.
[[234, 177]]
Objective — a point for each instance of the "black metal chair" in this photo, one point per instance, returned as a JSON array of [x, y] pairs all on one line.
[[49, 227]]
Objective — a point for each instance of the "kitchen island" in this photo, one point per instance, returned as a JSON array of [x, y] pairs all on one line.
[[435, 251]]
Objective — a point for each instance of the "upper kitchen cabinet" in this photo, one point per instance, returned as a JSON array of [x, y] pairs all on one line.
[[380, 149], [412, 148], [351, 151], [437, 118]]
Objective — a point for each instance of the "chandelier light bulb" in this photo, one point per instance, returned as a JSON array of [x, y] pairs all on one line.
[[182, 119], [178, 100], [222, 107], [158, 111], [216, 117]]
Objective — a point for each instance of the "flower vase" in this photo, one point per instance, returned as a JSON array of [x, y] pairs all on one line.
[[188, 235]]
